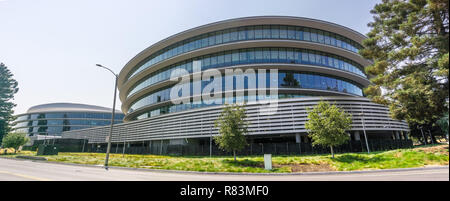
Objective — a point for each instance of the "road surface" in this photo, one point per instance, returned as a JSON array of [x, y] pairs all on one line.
[[26, 170]]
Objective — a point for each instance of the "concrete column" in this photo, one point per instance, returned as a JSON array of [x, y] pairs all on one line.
[[298, 139], [397, 136], [405, 134], [357, 136]]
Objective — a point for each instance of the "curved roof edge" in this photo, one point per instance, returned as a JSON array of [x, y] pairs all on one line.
[[69, 107]]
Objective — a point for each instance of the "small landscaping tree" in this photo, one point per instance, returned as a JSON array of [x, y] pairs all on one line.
[[14, 140], [232, 128], [327, 125]]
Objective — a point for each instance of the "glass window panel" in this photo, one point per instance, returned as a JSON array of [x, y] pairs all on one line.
[[332, 39], [306, 35], [324, 60], [188, 66], [233, 35], [313, 35], [258, 54], [243, 56], [258, 32], [266, 32], [330, 61], [242, 33], [250, 33], [275, 30], [220, 59], [219, 37], [274, 54], [266, 52], [305, 57], [214, 61], [212, 39], [228, 58], [299, 33], [320, 37], [282, 54], [235, 57], [283, 32], [291, 33], [207, 62], [318, 59], [290, 55], [336, 63], [205, 41], [344, 43], [312, 57], [298, 56], [226, 36], [191, 45], [338, 41], [341, 65], [251, 55], [327, 38]]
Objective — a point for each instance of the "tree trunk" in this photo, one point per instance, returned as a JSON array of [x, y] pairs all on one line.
[[332, 152], [234, 154], [433, 140]]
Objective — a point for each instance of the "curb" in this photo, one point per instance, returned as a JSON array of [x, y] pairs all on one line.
[[237, 173]]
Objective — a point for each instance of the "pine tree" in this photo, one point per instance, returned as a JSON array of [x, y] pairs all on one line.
[[8, 87], [409, 46]]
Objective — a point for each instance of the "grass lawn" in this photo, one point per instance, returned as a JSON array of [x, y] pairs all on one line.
[[400, 158]]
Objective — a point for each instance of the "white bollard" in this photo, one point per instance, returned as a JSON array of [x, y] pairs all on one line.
[[268, 161]]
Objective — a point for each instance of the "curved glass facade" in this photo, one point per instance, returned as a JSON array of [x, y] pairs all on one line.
[[286, 79], [259, 61], [54, 123], [69, 115], [259, 32], [254, 56]]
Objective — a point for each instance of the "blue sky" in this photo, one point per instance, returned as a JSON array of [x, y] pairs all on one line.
[[52, 46]]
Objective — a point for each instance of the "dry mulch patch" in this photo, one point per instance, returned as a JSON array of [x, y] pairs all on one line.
[[443, 149]]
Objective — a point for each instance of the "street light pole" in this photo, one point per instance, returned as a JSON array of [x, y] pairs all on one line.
[[364, 130], [84, 141], [112, 116]]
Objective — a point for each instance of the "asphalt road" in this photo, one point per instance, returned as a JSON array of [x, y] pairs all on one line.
[[25, 170]]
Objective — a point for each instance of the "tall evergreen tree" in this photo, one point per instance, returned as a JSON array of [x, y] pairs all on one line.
[[409, 46], [8, 87]]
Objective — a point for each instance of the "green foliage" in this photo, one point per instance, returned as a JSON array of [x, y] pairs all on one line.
[[409, 46], [443, 123], [232, 128], [400, 158], [15, 140], [8, 87], [327, 125]]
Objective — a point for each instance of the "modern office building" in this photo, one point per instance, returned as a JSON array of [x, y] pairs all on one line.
[[50, 120], [315, 60]]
